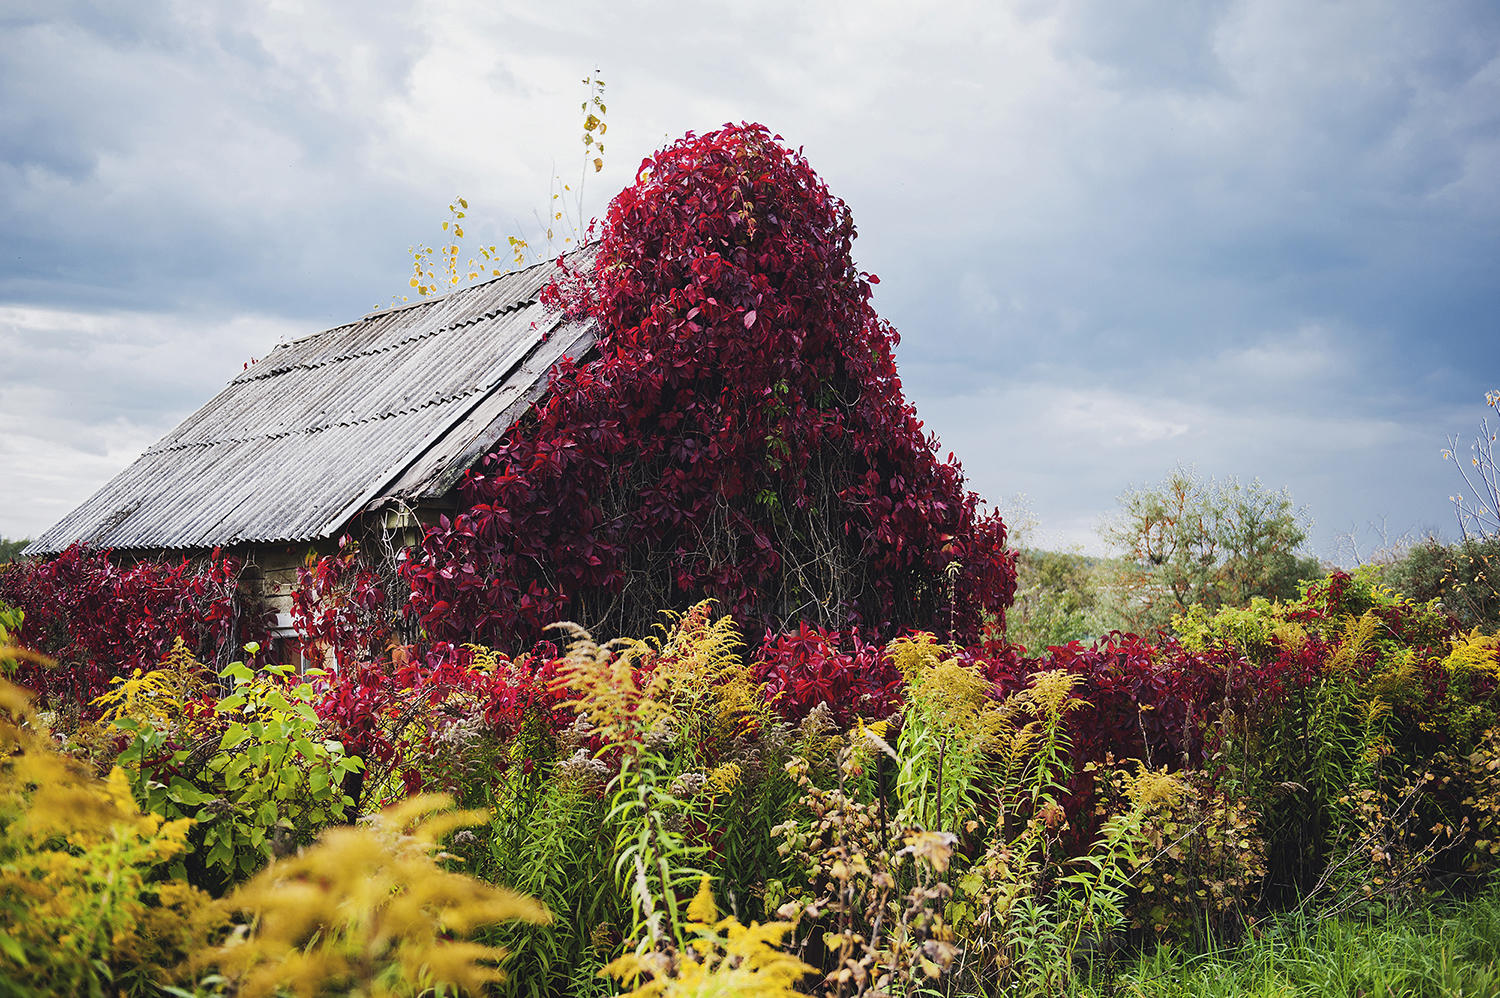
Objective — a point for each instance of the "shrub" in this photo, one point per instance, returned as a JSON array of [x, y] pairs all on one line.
[[1482, 803], [251, 768], [101, 619], [1202, 861], [1464, 577], [808, 667], [1154, 701], [869, 907]]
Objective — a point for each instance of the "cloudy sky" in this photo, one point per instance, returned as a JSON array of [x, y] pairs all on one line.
[[1259, 238]]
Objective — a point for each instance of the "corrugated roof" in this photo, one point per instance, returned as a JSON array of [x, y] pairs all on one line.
[[395, 405]]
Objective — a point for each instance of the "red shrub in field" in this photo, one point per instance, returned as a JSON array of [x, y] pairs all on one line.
[[399, 715], [1148, 700], [809, 666], [101, 619], [741, 435]]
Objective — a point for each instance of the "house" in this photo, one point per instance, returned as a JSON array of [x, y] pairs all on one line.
[[366, 428]]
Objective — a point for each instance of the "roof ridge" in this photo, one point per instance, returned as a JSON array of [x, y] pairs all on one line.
[[253, 375], [321, 427]]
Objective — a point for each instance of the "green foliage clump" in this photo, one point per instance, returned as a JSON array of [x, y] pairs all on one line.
[[1253, 630], [950, 729], [672, 768], [251, 768], [1464, 577], [1202, 861], [1481, 804], [1190, 543], [1059, 598]]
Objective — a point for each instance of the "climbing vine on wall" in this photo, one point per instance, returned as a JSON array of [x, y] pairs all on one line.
[[741, 434]]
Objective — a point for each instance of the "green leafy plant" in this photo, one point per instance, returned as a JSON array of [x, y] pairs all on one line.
[[873, 893], [949, 729], [252, 768], [1201, 860], [653, 859], [1027, 908]]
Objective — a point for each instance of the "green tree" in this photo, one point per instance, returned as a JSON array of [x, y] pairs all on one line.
[[1057, 596], [10, 550], [1188, 541]]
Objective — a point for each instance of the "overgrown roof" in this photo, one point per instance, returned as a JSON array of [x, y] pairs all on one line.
[[394, 406]]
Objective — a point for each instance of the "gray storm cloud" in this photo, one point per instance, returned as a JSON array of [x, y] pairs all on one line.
[[1114, 236]]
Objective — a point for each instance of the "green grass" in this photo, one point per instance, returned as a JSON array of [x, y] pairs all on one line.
[[1445, 950]]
